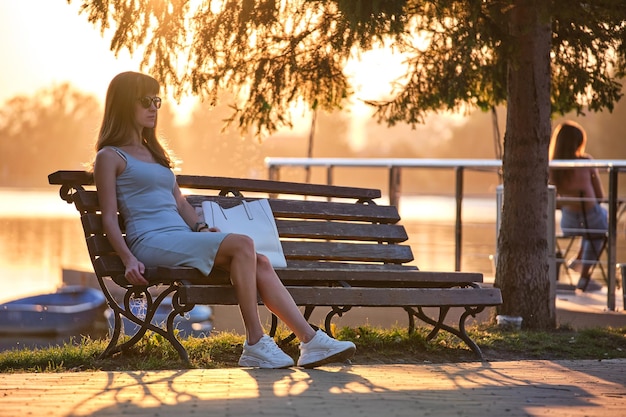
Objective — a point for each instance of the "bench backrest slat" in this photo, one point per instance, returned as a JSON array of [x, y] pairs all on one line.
[[225, 184], [275, 187], [333, 230], [71, 177], [99, 245], [308, 209], [334, 211], [290, 229], [337, 251], [87, 201]]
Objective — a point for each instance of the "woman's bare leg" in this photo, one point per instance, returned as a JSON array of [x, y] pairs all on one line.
[[250, 273], [236, 254], [278, 300]]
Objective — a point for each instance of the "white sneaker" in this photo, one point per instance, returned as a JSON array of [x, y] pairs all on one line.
[[324, 349], [264, 354]]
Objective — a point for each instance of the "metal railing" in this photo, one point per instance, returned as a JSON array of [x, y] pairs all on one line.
[[459, 166]]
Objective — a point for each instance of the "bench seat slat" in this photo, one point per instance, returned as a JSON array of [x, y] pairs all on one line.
[[389, 297], [363, 297], [318, 272], [400, 278], [298, 264], [111, 266], [391, 278], [318, 268]]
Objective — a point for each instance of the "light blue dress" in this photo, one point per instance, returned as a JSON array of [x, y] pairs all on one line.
[[155, 232]]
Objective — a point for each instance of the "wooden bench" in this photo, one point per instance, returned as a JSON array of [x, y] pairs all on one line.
[[343, 250]]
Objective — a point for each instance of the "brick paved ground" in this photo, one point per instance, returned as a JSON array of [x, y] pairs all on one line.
[[522, 388]]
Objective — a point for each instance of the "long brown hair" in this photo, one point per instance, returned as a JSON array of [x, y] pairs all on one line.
[[119, 114], [568, 141]]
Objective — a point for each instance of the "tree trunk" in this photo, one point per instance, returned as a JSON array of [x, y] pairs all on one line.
[[523, 261]]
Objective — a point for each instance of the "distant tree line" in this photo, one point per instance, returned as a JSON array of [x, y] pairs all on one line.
[[56, 128]]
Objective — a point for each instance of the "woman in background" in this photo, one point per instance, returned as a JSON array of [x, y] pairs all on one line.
[[133, 175], [580, 191]]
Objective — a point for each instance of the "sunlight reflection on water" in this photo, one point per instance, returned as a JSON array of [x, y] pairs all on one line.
[[15, 202]]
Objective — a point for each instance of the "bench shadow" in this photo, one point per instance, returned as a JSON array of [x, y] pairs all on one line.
[[379, 390]]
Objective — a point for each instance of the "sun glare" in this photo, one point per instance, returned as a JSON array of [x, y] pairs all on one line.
[[372, 76], [65, 47]]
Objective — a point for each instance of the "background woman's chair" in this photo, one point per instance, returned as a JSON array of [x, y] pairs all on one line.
[[571, 236]]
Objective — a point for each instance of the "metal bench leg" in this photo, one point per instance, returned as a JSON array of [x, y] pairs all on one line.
[[274, 326], [117, 320], [308, 310], [335, 311], [470, 311], [439, 324], [410, 312], [145, 323], [117, 326], [119, 313]]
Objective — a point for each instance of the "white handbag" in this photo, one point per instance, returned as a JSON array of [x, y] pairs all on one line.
[[252, 218]]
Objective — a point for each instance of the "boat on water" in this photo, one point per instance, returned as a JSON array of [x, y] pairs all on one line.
[[197, 323], [67, 310]]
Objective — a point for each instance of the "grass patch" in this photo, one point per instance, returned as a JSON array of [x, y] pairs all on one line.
[[374, 346]]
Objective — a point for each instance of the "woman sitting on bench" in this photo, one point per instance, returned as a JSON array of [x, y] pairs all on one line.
[[581, 192], [133, 175]]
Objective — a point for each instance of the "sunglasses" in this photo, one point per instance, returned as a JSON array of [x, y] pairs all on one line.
[[147, 101]]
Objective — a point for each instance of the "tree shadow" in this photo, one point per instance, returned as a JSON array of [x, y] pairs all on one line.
[[435, 390]]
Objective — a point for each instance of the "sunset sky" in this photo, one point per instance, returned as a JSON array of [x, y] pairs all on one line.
[[44, 42]]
